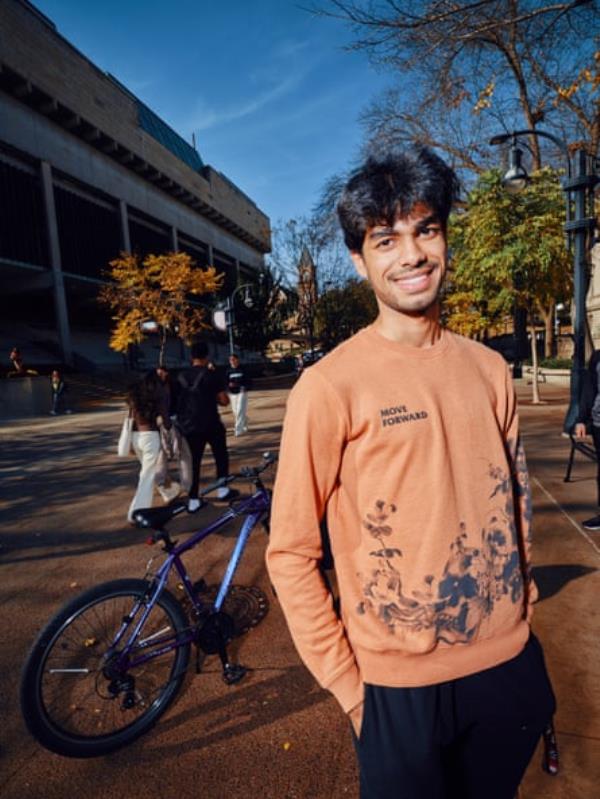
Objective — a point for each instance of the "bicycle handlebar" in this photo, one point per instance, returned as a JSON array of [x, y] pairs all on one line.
[[156, 518], [246, 473]]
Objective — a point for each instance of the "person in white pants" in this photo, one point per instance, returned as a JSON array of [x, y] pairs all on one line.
[[146, 445], [237, 388], [148, 408]]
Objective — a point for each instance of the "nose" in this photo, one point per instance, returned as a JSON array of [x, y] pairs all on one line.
[[411, 254]]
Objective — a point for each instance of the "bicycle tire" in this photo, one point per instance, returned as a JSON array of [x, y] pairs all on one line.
[[64, 708]]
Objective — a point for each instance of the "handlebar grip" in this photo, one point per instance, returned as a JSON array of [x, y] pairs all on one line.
[[217, 484]]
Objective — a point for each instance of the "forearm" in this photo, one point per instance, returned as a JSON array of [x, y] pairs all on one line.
[[521, 495], [314, 434], [316, 630], [523, 520]]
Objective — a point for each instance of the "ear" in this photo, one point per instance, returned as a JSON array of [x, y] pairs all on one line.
[[359, 263]]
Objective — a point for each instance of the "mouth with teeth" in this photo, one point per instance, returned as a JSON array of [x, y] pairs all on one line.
[[416, 280]]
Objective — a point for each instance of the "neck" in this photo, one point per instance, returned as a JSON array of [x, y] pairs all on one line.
[[414, 330]]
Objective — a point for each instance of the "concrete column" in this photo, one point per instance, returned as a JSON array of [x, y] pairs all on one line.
[[60, 298], [237, 272], [125, 239], [210, 255], [174, 239]]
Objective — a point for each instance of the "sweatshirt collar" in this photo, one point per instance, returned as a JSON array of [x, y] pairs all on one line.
[[375, 339]]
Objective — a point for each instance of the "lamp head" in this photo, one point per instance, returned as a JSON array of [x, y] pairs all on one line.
[[516, 177], [248, 301]]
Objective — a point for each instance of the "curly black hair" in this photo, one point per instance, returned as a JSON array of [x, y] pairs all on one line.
[[387, 187]]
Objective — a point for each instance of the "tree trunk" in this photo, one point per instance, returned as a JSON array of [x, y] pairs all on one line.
[[547, 315], [163, 344], [535, 397]]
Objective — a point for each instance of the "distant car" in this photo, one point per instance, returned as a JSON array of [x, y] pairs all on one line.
[[307, 359]]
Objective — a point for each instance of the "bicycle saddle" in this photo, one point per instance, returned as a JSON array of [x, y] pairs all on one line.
[[156, 518]]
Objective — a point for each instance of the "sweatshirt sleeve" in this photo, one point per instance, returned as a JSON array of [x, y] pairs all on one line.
[[314, 435], [521, 491]]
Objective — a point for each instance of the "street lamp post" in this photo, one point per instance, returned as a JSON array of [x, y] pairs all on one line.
[[230, 313], [580, 223]]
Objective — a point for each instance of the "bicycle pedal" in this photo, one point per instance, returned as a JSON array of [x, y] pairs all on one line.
[[233, 673]]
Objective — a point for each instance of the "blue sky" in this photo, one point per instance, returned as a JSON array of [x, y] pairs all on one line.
[[272, 97]]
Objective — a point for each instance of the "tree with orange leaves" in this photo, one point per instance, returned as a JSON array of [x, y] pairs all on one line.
[[156, 288]]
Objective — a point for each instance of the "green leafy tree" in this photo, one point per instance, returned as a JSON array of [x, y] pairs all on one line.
[[342, 311], [509, 250], [158, 288]]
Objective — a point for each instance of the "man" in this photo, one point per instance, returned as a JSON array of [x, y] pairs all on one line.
[[237, 388], [199, 391], [405, 438], [589, 417]]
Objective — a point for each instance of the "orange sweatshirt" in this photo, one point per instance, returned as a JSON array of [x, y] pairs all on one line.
[[412, 455]]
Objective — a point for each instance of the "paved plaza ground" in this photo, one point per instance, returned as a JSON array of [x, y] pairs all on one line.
[[276, 735]]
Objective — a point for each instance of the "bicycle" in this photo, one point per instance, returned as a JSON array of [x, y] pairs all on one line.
[[111, 661]]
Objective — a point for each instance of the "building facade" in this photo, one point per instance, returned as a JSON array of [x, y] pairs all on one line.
[[87, 171]]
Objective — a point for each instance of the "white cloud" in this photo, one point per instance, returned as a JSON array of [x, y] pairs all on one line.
[[289, 47], [282, 72], [204, 116]]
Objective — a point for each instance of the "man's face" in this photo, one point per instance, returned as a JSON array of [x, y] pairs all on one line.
[[162, 374], [405, 264], [234, 361]]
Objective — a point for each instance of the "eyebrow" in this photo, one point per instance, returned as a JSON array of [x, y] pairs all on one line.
[[383, 232]]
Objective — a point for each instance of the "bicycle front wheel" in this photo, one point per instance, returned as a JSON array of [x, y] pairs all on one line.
[[72, 700]]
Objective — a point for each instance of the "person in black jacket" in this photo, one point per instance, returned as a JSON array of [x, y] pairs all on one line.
[[589, 418], [200, 390]]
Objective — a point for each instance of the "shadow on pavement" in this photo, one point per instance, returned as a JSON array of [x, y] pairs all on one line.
[[45, 473], [20, 547], [237, 712], [552, 579]]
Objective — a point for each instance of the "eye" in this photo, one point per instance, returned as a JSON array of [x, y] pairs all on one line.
[[385, 244], [429, 231]]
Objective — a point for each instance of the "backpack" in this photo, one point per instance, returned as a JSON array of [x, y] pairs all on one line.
[[191, 406]]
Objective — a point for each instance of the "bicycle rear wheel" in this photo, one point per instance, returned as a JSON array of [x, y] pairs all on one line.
[[70, 700]]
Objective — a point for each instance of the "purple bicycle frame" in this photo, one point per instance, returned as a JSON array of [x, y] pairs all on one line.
[[253, 509]]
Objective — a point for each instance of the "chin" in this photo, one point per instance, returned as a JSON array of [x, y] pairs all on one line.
[[415, 305]]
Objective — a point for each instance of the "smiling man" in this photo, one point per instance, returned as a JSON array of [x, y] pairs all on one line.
[[405, 440]]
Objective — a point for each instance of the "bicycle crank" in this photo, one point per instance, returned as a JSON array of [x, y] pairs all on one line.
[[213, 636], [215, 632]]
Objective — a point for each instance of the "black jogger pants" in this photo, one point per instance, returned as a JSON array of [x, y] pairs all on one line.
[[470, 738], [216, 439]]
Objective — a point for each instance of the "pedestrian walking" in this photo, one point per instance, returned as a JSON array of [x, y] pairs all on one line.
[[405, 439], [59, 394], [148, 411], [589, 419], [200, 390], [173, 446], [238, 384]]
